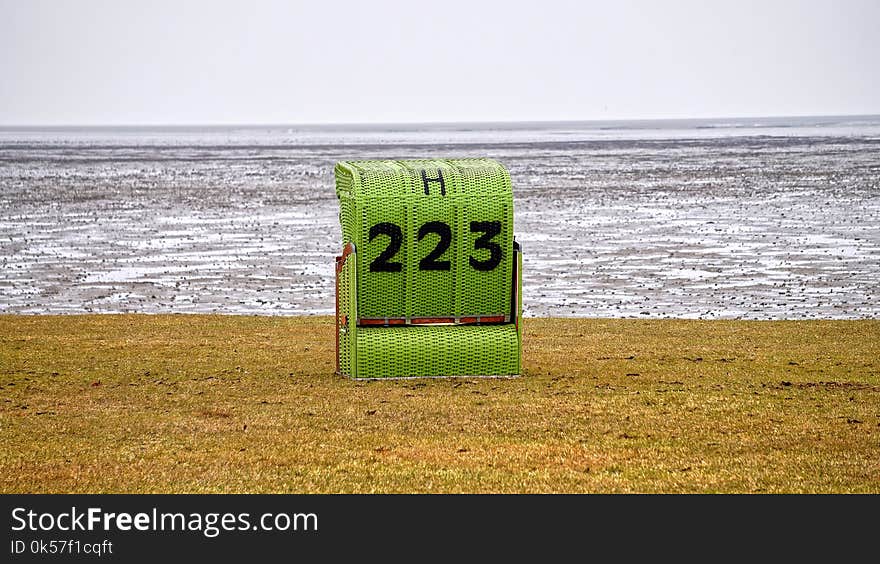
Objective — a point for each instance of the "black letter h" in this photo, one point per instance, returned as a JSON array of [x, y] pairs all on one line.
[[439, 178]]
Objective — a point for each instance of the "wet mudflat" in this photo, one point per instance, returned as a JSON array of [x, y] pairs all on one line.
[[751, 225]]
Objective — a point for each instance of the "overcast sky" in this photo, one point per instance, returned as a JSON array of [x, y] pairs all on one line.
[[327, 61]]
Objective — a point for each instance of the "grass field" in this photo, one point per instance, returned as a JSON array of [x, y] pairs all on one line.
[[204, 403]]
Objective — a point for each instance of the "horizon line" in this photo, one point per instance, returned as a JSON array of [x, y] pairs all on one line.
[[428, 123]]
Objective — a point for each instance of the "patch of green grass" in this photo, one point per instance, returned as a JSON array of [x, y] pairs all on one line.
[[205, 403]]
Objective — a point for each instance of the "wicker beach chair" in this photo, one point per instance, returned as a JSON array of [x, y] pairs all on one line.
[[429, 281]]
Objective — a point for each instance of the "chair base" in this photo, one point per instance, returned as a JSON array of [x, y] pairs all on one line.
[[436, 351]]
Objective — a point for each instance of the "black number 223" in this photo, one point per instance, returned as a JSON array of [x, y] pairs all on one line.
[[488, 229]]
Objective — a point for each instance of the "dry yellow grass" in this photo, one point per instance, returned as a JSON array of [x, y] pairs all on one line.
[[203, 403]]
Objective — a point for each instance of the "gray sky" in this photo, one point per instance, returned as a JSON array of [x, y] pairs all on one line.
[[327, 61]]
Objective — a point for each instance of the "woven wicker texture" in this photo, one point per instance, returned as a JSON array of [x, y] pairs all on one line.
[[474, 199], [427, 241], [440, 350]]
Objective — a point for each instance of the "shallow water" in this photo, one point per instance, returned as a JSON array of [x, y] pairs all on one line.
[[690, 219]]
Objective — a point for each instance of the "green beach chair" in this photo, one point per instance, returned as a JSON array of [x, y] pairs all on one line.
[[429, 281]]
